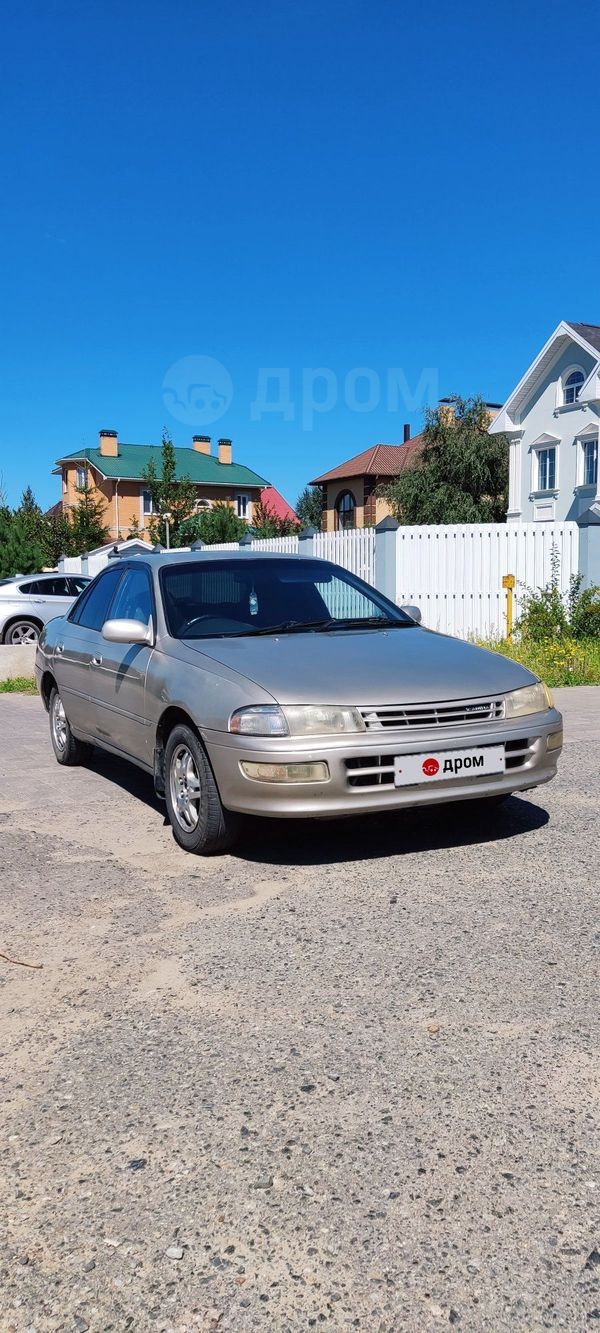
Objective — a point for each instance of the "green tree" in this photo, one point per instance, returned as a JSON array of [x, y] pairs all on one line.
[[20, 551], [219, 524], [86, 527], [57, 538], [170, 495], [309, 507], [461, 476], [266, 523]]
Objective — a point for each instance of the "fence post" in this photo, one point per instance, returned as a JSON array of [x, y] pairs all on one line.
[[306, 544], [589, 545], [246, 540], [386, 556]]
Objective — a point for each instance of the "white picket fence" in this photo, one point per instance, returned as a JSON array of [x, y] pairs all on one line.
[[454, 573], [352, 550]]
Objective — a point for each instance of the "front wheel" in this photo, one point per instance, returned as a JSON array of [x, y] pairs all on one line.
[[67, 748], [199, 821]]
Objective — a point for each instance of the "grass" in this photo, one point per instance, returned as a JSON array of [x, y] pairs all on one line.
[[18, 685], [557, 661]]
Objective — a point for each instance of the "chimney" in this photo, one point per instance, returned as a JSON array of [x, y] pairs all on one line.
[[447, 411], [224, 451], [201, 443], [406, 432], [109, 443]]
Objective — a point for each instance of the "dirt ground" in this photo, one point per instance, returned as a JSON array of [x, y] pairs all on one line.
[[346, 1077]]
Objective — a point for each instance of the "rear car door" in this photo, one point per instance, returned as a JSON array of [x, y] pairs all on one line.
[[76, 646], [118, 672]]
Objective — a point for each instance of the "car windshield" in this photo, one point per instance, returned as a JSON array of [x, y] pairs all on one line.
[[209, 598]]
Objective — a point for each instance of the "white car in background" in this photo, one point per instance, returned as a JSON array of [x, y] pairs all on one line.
[[29, 601]]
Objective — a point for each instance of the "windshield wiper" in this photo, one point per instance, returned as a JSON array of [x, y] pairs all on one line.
[[298, 626], [286, 627], [367, 622]]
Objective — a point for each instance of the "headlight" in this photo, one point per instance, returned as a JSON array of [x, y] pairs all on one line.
[[295, 720], [531, 699], [260, 720], [322, 720]]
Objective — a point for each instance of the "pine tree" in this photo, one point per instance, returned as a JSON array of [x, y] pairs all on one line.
[[170, 494], [86, 527]]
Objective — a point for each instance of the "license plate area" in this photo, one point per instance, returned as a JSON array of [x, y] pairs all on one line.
[[411, 770]]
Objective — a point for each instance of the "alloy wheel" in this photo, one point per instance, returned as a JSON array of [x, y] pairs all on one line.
[[23, 632], [185, 789], [59, 723]]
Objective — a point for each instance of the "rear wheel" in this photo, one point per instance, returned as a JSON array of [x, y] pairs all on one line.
[[22, 631], [199, 821], [67, 748]]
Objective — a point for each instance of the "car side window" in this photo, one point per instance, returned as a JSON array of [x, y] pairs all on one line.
[[28, 588], [134, 597], [76, 586], [92, 609], [58, 587]]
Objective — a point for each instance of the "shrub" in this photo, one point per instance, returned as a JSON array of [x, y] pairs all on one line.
[[548, 614]]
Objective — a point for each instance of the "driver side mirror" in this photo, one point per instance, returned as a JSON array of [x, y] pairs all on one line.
[[128, 631], [414, 612]]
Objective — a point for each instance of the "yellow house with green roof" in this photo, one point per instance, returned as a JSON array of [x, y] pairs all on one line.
[[115, 474]]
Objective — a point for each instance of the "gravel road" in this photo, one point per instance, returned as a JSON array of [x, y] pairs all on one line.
[[347, 1077]]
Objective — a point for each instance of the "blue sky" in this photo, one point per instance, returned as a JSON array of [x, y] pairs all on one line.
[[293, 186]]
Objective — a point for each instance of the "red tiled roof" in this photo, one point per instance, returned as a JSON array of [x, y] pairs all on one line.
[[381, 460], [272, 500]]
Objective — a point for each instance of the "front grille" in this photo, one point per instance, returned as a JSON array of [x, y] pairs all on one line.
[[457, 713], [377, 770]]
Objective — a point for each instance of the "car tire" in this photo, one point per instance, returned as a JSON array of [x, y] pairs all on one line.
[[22, 631], [68, 750], [199, 821]]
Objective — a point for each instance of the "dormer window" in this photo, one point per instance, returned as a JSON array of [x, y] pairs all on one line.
[[572, 385]]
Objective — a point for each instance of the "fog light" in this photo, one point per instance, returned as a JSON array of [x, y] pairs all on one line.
[[554, 741], [317, 772]]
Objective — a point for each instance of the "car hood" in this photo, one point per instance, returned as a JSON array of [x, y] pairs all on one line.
[[366, 666]]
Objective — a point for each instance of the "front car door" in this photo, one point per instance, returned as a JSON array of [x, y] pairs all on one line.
[[76, 646], [118, 672]]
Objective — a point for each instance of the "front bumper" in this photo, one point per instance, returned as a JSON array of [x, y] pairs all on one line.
[[361, 768]]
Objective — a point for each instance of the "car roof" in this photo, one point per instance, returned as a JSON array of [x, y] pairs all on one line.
[[48, 574], [165, 559]]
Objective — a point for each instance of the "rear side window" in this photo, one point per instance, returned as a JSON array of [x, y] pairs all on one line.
[[28, 588], [92, 609], [77, 585]]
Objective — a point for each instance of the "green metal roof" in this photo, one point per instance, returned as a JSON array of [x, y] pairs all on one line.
[[132, 461]]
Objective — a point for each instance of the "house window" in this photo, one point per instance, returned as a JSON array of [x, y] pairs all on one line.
[[345, 510], [81, 477], [572, 386], [242, 505], [147, 506], [590, 462], [546, 466]]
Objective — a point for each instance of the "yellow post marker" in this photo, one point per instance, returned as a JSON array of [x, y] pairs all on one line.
[[508, 582]]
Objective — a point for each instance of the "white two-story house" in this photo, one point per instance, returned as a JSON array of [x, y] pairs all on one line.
[[552, 420]]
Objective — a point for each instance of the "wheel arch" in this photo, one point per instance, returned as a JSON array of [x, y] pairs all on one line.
[[172, 717], [47, 684]]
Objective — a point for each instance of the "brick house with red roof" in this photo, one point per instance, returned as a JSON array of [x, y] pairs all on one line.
[[350, 498], [350, 491]]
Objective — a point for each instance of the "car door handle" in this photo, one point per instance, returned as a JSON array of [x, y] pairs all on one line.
[[96, 661], [60, 648]]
